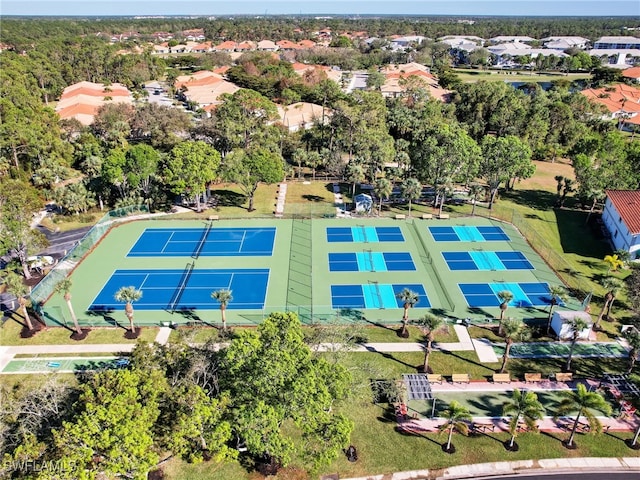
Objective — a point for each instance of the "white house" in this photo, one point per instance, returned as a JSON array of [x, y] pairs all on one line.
[[621, 216]]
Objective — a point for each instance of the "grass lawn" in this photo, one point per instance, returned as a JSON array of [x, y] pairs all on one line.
[[10, 336], [472, 75]]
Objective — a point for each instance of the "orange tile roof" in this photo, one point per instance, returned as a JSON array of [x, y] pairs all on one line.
[[633, 72], [228, 45], [615, 99], [307, 43], [627, 203], [287, 44]]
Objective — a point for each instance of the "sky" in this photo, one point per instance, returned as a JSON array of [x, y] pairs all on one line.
[[353, 7]]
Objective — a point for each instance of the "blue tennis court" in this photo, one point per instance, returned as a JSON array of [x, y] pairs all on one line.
[[481, 260], [185, 289], [524, 294], [207, 242], [362, 234], [374, 295], [371, 262], [468, 234]]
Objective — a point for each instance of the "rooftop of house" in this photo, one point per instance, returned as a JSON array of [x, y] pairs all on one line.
[[633, 72], [627, 203], [619, 98]]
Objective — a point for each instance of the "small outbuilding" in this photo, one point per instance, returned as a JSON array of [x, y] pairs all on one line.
[[563, 330], [363, 203]]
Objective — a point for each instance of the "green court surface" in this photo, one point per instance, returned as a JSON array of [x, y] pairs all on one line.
[[299, 278], [63, 364], [561, 350], [480, 404]]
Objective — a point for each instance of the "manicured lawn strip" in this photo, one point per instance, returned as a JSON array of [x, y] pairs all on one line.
[[66, 355], [10, 336], [472, 75]]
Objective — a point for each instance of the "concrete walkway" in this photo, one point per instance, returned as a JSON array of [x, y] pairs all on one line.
[[282, 194], [163, 335], [341, 211], [521, 467]]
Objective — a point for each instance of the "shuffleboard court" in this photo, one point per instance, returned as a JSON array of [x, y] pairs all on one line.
[[205, 242], [481, 260], [371, 262], [362, 234], [186, 289], [374, 295], [524, 294], [63, 364], [460, 233]]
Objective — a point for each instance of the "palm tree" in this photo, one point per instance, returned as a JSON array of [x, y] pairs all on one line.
[[514, 330], [411, 190], [632, 336], [523, 406], [64, 287], [457, 417], [409, 298], [633, 443], [223, 297], [505, 297], [128, 295], [429, 324], [613, 261], [582, 402], [355, 175], [475, 189], [558, 295], [383, 190], [612, 285], [577, 325], [14, 284]]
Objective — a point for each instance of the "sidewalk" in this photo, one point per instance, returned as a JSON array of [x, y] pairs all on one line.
[[521, 467]]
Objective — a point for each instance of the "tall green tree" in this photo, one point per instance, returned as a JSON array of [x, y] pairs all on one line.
[[632, 336], [457, 417], [64, 287], [577, 325], [190, 167], [429, 324], [251, 167], [112, 431], [514, 330], [505, 297], [612, 286], [282, 395], [504, 158], [581, 402], [19, 201], [128, 296], [522, 407], [14, 283], [223, 297], [411, 190], [409, 299], [383, 189]]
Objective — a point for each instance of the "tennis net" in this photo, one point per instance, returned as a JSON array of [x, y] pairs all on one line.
[[203, 240], [175, 300]]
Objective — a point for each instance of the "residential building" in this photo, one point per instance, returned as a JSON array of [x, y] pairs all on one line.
[[563, 43], [395, 75], [82, 100], [621, 217], [621, 101], [302, 115], [617, 43], [267, 45], [204, 88], [617, 57], [511, 39], [632, 73]]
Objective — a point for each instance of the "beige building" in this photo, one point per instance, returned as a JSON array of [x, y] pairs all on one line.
[[82, 100]]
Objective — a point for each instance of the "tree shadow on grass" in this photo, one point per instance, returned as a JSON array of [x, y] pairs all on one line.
[[578, 238], [449, 352], [390, 357], [228, 198], [313, 198], [536, 199], [416, 433]]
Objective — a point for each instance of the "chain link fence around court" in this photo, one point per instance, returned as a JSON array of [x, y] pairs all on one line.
[[43, 290]]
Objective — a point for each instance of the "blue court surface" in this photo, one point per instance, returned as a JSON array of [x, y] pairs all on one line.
[[206, 242], [185, 289], [371, 262], [468, 234], [524, 294], [481, 260], [374, 295], [363, 234]]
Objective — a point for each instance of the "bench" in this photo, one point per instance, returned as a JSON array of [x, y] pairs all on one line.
[[460, 378], [400, 216], [443, 216], [483, 427], [427, 216], [564, 377], [213, 217], [434, 378], [501, 378], [533, 377]]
